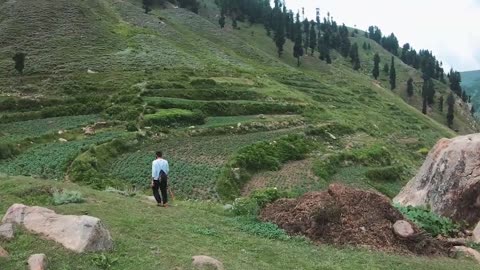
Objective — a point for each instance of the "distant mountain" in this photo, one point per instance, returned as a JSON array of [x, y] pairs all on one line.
[[471, 84]]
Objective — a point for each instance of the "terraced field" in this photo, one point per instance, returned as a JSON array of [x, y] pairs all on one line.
[[51, 160], [195, 162], [17, 131]]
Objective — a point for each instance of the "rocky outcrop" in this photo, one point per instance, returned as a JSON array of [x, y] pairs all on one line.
[[449, 180], [77, 233], [205, 262], [37, 262]]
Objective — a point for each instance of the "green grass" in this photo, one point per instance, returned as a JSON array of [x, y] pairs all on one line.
[[148, 237]]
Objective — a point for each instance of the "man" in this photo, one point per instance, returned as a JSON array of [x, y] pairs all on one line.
[[159, 179]]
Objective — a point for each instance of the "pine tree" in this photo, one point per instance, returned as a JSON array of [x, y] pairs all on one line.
[[410, 87], [376, 66], [221, 21], [369, 47], [440, 104], [424, 105], [279, 27], [313, 37], [365, 47], [19, 59], [472, 110], [355, 58], [328, 58], [147, 5], [393, 75], [450, 110], [306, 31], [455, 80], [298, 48], [386, 69], [464, 96], [234, 23], [428, 90]]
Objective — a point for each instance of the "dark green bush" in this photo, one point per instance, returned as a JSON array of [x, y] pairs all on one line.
[[252, 204], [175, 117], [164, 85], [124, 113], [429, 221], [334, 128], [389, 173], [327, 167], [270, 155], [8, 150], [375, 155], [131, 126]]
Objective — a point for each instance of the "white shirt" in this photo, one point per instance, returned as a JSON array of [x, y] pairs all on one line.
[[159, 165]]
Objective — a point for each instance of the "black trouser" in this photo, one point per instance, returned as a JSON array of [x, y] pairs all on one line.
[[162, 184]]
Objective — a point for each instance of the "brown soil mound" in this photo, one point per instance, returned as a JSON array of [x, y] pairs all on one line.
[[347, 216]]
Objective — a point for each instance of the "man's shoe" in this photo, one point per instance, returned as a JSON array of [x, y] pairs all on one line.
[[165, 205]]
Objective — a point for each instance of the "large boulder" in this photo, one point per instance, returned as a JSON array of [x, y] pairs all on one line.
[[206, 263], [449, 180], [77, 233], [37, 262]]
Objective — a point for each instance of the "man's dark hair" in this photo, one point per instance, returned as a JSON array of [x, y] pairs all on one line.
[[159, 154]]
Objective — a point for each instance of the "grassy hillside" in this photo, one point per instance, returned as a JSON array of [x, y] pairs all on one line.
[[212, 99], [148, 237]]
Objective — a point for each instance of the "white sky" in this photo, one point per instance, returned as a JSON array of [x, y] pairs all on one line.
[[451, 29]]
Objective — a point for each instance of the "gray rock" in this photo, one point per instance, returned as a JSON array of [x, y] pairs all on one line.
[[449, 180], [7, 231], [77, 233], [467, 252], [403, 229], [205, 262], [37, 262]]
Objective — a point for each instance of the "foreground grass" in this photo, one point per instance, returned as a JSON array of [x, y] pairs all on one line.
[[148, 237]]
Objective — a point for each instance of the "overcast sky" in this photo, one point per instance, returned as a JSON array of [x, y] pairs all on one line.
[[451, 29]]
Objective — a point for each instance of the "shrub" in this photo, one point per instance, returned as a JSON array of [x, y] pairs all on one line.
[[205, 94], [124, 113], [334, 128], [389, 173], [131, 126], [270, 155], [429, 221], [327, 167], [66, 197], [374, 155], [251, 205], [175, 117], [423, 151], [8, 150]]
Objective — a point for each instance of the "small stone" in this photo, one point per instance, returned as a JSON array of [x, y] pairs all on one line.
[[7, 231], [62, 140], [227, 207], [37, 262], [403, 229], [466, 251], [3, 253], [457, 241], [205, 262]]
